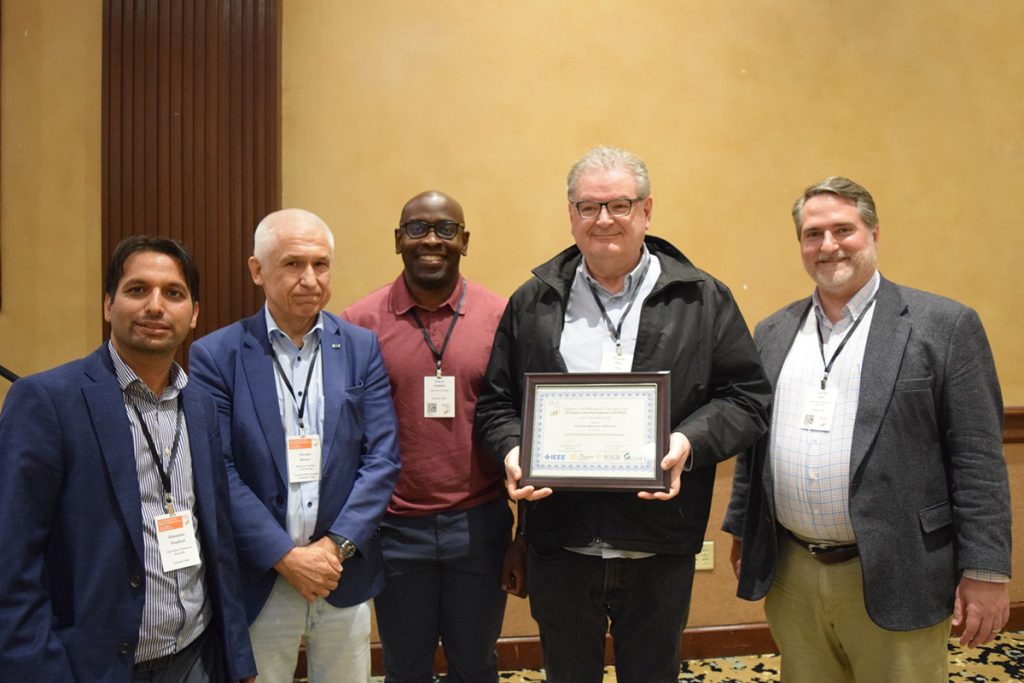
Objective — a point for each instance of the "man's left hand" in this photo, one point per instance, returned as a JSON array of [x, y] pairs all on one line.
[[513, 568], [678, 453], [982, 609]]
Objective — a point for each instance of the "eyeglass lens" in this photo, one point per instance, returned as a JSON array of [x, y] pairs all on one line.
[[446, 230], [616, 207]]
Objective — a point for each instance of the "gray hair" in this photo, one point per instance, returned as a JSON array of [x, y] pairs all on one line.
[[609, 159], [843, 188], [265, 238]]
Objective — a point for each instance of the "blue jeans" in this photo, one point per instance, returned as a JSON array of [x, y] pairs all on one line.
[[443, 580], [573, 597]]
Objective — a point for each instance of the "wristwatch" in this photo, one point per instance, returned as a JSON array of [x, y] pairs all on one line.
[[347, 547]]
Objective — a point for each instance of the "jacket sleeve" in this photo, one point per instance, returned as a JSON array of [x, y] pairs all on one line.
[[379, 461], [498, 422], [259, 537], [31, 469], [736, 413], [971, 429], [742, 479]]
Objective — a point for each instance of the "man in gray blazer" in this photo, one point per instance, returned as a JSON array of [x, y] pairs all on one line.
[[877, 509]]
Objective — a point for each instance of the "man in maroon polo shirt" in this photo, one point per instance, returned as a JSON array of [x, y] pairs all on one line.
[[447, 527]]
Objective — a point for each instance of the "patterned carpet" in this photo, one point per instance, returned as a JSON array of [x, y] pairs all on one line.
[[1001, 661]]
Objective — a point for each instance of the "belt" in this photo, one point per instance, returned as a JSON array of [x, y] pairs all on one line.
[[162, 662], [155, 663], [827, 554]]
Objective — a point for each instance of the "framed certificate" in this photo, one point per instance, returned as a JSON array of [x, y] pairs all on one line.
[[598, 432]]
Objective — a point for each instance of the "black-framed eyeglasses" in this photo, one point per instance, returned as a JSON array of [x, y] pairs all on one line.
[[620, 206], [445, 230]]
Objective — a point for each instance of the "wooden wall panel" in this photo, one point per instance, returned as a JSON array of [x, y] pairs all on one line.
[[191, 135]]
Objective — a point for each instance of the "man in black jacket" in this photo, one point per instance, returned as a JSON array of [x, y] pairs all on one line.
[[622, 301]]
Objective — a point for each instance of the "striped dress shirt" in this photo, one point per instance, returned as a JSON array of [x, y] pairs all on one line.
[[176, 611]]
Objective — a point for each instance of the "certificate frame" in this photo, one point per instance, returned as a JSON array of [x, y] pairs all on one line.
[[586, 398]]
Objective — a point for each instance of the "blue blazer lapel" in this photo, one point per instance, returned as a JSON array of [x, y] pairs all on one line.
[[105, 403], [259, 373], [883, 355], [202, 481], [333, 354]]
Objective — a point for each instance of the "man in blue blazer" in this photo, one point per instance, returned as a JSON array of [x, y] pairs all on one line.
[[311, 441], [119, 561], [877, 510]]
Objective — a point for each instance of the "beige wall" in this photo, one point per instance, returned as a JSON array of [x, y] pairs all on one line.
[[735, 105], [50, 175]]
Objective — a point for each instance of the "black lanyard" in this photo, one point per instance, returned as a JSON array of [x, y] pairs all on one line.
[[438, 355], [842, 344], [616, 330], [305, 392], [165, 478]]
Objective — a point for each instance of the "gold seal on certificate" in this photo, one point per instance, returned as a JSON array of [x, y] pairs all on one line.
[[603, 431]]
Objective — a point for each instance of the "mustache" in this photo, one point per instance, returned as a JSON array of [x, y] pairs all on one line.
[[834, 258]]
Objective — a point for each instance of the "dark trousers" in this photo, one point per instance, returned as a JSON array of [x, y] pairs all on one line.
[[574, 596], [443, 580], [201, 661]]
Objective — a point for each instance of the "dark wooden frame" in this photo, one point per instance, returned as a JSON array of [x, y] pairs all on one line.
[[658, 479]]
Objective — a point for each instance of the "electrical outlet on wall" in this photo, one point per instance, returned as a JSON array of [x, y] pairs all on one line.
[[706, 557]]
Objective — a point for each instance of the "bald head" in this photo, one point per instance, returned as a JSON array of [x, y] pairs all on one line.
[[431, 261], [267, 231], [432, 201]]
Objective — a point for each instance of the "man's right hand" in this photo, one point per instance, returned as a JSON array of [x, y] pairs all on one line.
[[314, 571], [513, 473], [735, 554]]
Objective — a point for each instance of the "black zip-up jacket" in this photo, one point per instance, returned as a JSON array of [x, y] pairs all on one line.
[[689, 325]]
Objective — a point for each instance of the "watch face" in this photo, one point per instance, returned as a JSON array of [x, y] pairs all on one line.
[[348, 549]]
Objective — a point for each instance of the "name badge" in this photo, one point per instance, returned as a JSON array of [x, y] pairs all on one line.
[[612, 361], [176, 537], [439, 396], [303, 458], [819, 407]]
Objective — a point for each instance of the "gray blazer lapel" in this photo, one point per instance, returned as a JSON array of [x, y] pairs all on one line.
[[259, 373], [883, 355], [774, 340], [105, 403]]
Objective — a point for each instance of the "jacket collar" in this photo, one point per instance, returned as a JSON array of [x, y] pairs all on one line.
[[558, 273]]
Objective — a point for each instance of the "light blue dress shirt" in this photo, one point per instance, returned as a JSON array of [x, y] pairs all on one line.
[[303, 498]]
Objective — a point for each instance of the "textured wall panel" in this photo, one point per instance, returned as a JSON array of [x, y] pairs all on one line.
[[191, 135]]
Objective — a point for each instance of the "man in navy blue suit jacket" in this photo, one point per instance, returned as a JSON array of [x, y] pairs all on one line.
[[310, 435], [119, 563]]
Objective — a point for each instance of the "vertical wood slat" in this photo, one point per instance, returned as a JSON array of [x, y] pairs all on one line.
[[191, 135]]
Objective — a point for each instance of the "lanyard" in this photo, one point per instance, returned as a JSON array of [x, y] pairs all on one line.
[[165, 478], [616, 330], [305, 392], [438, 355], [842, 344]]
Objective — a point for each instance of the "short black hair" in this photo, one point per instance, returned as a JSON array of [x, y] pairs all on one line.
[[162, 245]]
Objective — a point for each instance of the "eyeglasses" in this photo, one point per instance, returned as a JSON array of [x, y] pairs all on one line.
[[446, 230], [620, 206]]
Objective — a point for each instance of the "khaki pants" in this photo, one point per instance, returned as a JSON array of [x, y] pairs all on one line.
[[816, 613]]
